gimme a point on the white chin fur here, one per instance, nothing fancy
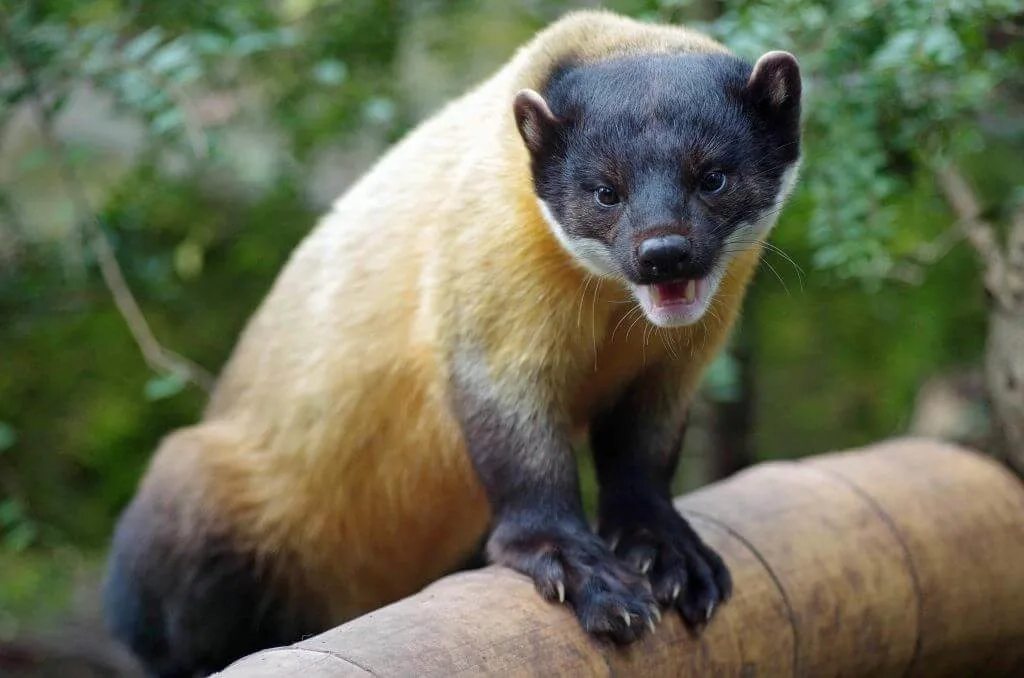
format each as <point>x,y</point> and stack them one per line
<point>678,314</point>
<point>590,254</point>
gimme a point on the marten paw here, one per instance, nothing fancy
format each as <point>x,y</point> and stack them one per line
<point>577,568</point>
<point>684,573</point>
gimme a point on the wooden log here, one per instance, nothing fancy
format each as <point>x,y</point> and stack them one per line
<point>901,559</point>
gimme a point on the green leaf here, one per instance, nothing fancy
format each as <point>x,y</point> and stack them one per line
<point>164,386</point>
<point>8,436</point>
<point>722,381</point>
<point>172,56</point>
<point>14,94</point>
<point>330,72</point>
<point>142,45</point>
<point>10,513</point>
<point>942,45</point>
<point>379,110</point>
<point>211,43</point>
<point>188,259</point>
<point>20,537</point>
<point>167,121</point>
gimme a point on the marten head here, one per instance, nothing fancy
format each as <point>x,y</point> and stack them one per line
<point>657,169</point>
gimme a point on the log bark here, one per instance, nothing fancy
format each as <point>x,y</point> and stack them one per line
<point>903,559</point>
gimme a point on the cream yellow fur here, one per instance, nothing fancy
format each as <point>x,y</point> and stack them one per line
<point>330,444</point>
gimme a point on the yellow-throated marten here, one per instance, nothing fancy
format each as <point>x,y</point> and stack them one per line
<point>416,374</point>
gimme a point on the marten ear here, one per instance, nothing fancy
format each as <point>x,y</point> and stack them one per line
<point>774,86</point>
<point>537,124</point>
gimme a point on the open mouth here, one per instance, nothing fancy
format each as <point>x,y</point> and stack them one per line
<point>675,303</point>
<point>679,292</point>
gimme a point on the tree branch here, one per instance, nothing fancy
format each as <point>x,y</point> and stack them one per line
<point>158,357</point>
<point>962,199</point>
<point>1015,259</point>
<point>978,232</point>
<point>912,266</point>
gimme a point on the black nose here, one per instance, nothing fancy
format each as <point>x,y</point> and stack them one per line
<point>665,257</point>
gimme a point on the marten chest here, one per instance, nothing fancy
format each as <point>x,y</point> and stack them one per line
<point>627,346</point>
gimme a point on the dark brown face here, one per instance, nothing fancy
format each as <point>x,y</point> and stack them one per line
<point>653,169</point>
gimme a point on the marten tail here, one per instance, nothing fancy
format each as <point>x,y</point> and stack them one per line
<point>180,591</point>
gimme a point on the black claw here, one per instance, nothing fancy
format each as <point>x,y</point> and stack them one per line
<point>610,599</point>
<point>684,573</point>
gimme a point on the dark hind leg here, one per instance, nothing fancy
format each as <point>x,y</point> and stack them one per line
<point>191,605</point>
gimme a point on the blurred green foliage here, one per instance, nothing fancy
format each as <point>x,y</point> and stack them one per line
<point>895,88</point>
<point>208,136</point>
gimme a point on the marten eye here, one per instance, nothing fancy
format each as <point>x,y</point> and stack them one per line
<point>713,182</point>
<point>606,197</point>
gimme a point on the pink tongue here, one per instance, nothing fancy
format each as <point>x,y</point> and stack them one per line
<point>672,292</point>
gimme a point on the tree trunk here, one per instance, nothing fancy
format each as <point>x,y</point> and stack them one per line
<point>1004,371</point>
<point>1004,280</point>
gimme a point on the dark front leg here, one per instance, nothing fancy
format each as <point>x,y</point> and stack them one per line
<point>636,449</point>
<point>526,464</point>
